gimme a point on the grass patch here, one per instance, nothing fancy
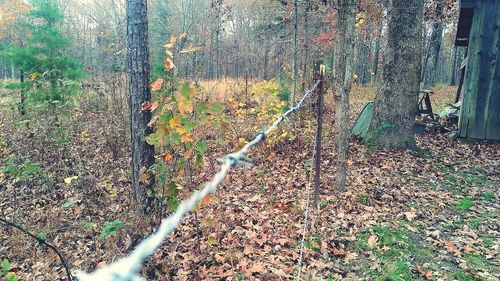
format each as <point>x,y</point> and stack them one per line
<point>479,170</point>
<point>461,276</point>
<point>397,249</point>
<point>474,223</point>
<point>489,196</point>
<point>488,241</point>
<point>481,263</point>
<point>464,204</point>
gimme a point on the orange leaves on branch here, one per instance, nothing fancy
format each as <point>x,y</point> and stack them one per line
<point>157,85</point>
<point>167,157</point>
<point>154,106</point>
<point>148,105</point>
<point>168,63</point>
<point>172,42</point>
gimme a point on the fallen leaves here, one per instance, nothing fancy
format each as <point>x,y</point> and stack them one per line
<point>256,228</point>
<point>452,247</point>
<point>372,241</point>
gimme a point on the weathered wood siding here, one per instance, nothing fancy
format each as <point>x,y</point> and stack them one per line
<point>480,115</point>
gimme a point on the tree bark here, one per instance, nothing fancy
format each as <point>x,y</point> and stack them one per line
<point>396,100</point>
<point>343,86</point>
<point>139,92</point>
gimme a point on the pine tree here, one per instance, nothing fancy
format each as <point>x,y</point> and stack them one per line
<point>51,74</point>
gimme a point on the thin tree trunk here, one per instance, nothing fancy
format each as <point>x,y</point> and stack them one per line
<point>340,66</point>
<point>305,56</point>
<point>343,88</point>
<point>453,79</point>
<point>435,46</point>
<point>22,106</point>
<point>295,50</point>
<point>376,56</point>
<point>266,63</point>
<point>396,100</point>
<point>139,92</point>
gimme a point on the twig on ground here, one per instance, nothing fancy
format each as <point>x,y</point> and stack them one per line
<point>41,241</point>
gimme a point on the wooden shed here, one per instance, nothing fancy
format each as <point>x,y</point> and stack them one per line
<point>479,31</point>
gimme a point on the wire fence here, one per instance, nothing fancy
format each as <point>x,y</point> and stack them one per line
<point>127,268</point>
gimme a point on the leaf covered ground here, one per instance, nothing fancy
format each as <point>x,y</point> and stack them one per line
<point>428,214</point>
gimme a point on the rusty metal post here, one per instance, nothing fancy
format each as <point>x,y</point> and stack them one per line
<point>319,76</point>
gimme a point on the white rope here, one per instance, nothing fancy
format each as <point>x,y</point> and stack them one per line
<point>127,268</point>
<point>306,213</point>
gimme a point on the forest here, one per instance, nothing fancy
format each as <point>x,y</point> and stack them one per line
<point>249,140</point>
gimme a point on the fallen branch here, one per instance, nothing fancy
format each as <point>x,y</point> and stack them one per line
<point>41,241</point>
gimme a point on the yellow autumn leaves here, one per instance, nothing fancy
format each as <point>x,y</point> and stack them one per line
<point>185,107</point>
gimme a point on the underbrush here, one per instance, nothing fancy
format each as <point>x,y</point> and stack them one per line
<point>405,215</point>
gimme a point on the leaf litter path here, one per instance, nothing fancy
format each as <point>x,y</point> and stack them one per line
<point>429,214</point>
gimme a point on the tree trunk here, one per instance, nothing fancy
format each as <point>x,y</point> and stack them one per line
<point>396,100</point>
<point>266,63</point>
<point>22,105</point>
<point>435,46</point>
<point>376,55</point>
<point>295,50</point>
<point>139,92</point>
<point>343,85</point>
<point>305,56</point>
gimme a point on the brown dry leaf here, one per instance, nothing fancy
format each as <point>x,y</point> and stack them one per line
<point>372,241</point>
<point>256,267</point>
<point>247,250</point>
<point>339,251</point>
<point>468,249</point>
<point>411,228</point>
<point>206,201</point>
<point>452,247</point>
<point>410,216</point>
<point>385,249</point>
<point>350,256</point>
